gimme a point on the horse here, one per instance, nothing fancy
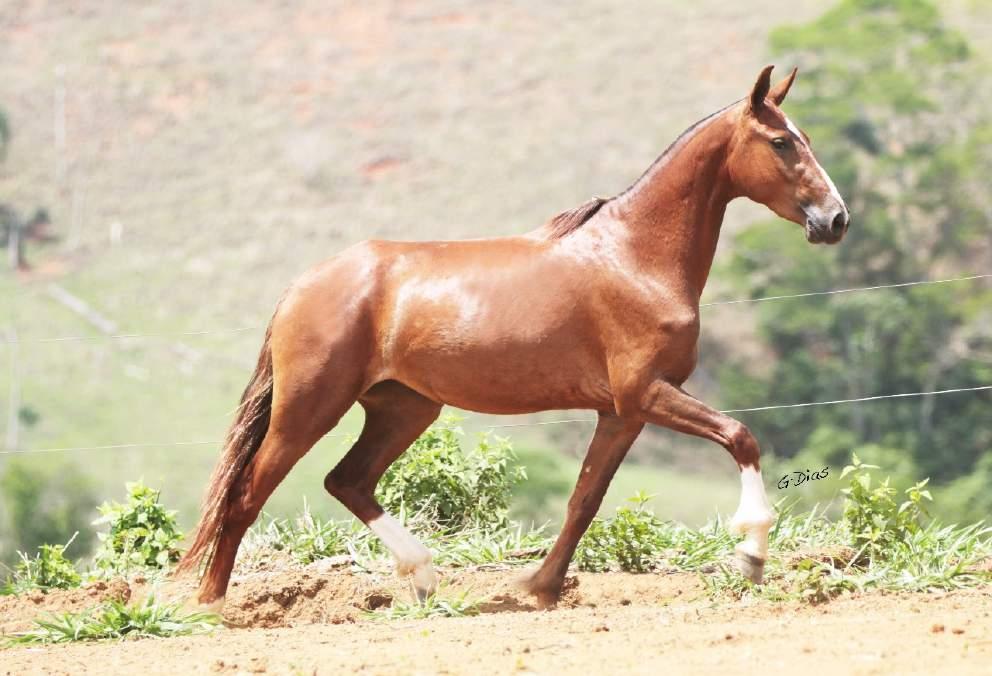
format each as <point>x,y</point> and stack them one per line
<point>597,309</point>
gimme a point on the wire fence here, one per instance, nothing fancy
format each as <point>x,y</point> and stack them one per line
<point>835,292</point>
<point>254,327</point>
<point>770,407</point>
<point>900,395</point>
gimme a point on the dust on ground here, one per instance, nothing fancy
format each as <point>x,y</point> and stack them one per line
<point>323,621</point>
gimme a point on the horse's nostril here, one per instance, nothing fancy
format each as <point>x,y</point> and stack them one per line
<point>839,222</point>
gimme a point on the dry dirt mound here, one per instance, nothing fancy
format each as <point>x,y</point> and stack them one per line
<point>317,621</point>
<point>315,595</point>
<point>17,612</point>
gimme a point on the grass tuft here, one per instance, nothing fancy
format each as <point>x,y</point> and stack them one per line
<point>117,620</point>
<point>435,605</point>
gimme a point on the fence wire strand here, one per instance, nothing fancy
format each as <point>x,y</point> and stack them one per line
<point>540,423</point>
<point>238,329</point>
<point>834,292</point>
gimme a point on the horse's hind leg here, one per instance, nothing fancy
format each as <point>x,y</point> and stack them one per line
<point>395,416</point>
<point>302,413</point>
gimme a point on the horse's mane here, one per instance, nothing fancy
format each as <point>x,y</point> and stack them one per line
<point>569,221</point>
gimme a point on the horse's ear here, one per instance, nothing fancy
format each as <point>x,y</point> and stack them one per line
<point>778,92</point>
<point>760,90</point>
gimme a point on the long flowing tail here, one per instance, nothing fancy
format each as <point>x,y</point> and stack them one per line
<point>243,440</point>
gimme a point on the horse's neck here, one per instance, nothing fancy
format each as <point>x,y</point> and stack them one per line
<point>672,215</point>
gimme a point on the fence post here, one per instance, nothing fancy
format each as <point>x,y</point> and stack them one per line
<point>14,396</point>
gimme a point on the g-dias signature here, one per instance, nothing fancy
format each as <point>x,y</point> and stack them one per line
<point>799,477</point>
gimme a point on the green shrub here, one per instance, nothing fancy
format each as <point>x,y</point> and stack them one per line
<point>877,523</point>
<point>458,488</point>
<point>143,533</point>
<point>49,569</point>
<point>631,540</point>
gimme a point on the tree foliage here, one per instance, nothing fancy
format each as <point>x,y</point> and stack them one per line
<point>41,504</point>
<point>885,92</point>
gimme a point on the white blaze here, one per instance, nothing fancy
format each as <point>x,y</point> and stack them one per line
<point>826,177</point>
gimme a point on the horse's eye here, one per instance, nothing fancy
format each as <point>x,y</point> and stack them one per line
<point>780,143</point>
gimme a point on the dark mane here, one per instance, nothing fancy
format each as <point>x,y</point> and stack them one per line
<point>569,221</point>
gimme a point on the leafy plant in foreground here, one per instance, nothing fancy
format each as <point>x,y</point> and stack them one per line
<point>143,533</point>
<point>630,540</point>
<point>49,569</point>
<point>461,488</point>
<point>118,620</point>
<point>876,521</point>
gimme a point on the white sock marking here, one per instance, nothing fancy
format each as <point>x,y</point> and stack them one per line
<point>411,556</point>
<point>754,515</point>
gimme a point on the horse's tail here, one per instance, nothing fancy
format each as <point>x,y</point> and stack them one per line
<point>243,440</point>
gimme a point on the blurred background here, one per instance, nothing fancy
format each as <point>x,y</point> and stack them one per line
<point>167,168</point>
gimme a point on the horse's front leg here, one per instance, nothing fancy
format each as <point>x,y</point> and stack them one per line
<point>663,403</point>
<point>609,446</point>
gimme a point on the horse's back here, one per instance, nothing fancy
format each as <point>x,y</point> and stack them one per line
<point>463,322</point>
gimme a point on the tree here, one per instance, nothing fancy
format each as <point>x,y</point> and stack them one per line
<point>884,92</point>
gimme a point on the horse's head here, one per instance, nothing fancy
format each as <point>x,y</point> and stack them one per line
<point>771,162</point>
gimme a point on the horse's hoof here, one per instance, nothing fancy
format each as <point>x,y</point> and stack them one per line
<point>751,566</point>
<point>424,581</point>
<point>546,595</point>
<point>195,605</point>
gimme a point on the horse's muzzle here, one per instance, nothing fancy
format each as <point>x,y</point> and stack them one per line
<point>829,230</point>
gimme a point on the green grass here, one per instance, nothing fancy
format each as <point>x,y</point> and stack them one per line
<point>48,569</point>
<point>439,604</point>
<point>813,559</point>
<point>117,620</point>
<point>309,537</point>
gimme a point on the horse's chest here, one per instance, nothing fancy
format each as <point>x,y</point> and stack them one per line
<point>656,332</point>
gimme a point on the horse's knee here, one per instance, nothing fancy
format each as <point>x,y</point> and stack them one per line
<point>344,487</point>
<point>354,494</point>
<point>742,445</point>
<point>332,484</point>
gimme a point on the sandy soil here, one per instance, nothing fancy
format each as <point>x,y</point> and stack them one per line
<point>316,621</point>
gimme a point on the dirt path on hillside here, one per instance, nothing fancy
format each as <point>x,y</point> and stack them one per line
<point>316,621</point>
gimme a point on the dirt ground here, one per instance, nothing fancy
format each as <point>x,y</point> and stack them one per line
<point>316,621</point>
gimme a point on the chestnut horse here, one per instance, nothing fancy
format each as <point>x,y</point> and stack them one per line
<point>598,309</point>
